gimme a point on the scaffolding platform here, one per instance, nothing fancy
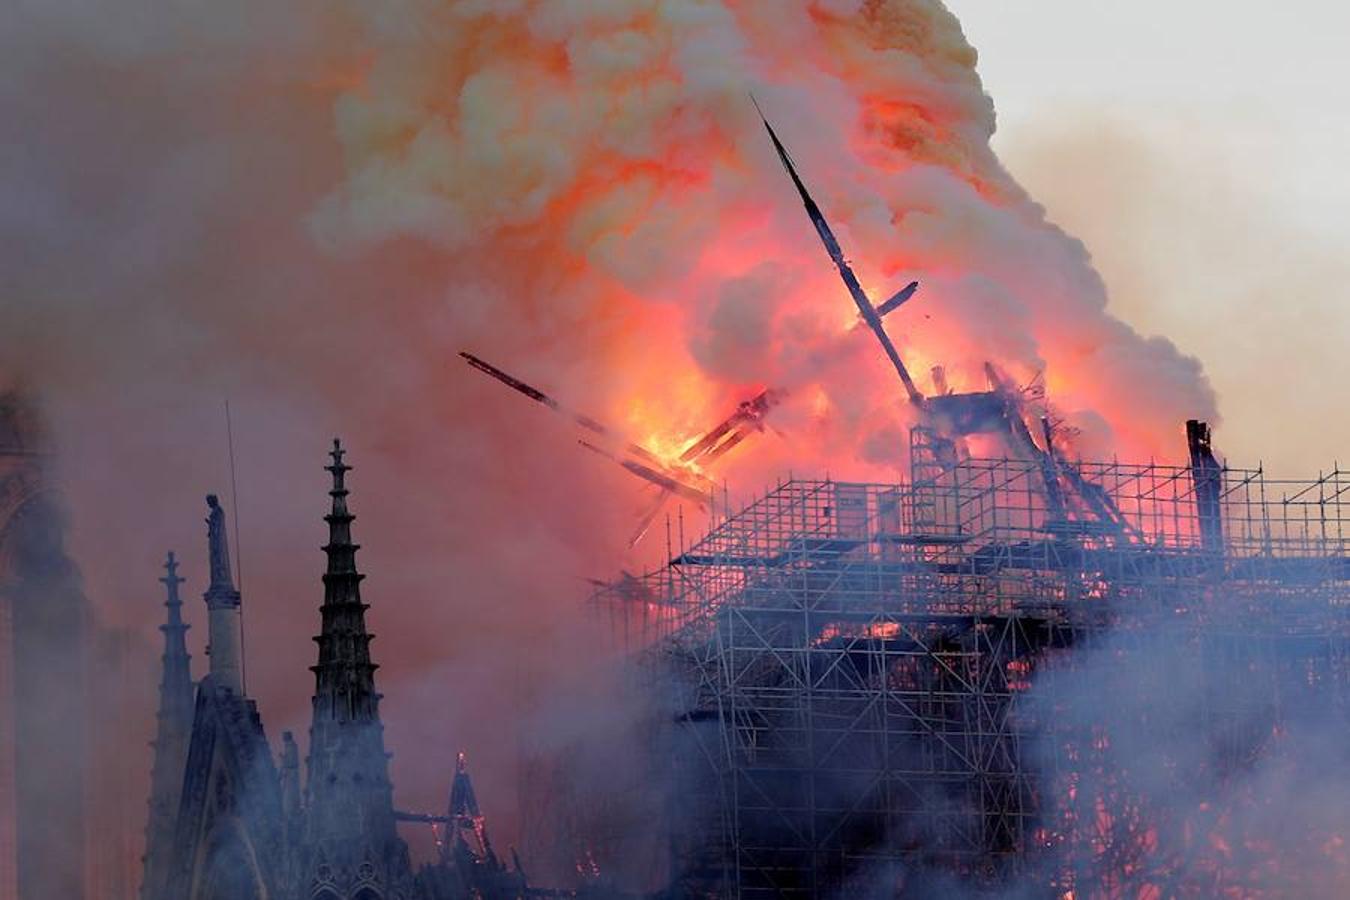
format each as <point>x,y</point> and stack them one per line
<point>864,680</point>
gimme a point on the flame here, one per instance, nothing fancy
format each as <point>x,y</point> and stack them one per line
<point>602,171</point>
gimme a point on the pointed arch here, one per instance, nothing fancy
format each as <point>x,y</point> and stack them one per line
<point>231,872</point>
<point>227,865</point>
<point>367,893</point>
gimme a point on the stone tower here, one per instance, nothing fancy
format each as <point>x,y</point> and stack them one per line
<point>225,645</point>
<point>172,733</point>
<point>351,848</point>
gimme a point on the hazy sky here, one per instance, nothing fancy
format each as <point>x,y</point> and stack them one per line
<point>158,257</point>
<point>1199,150</point>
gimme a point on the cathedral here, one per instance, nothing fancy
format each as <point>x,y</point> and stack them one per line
<point>227,821</point>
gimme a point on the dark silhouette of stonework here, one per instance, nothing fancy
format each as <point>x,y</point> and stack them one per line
<point>172,732</point>
<point>350,840</point>
<point>244,827</point>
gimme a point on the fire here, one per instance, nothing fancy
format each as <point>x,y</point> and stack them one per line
<point>653,427</point>
<point>605,165</point>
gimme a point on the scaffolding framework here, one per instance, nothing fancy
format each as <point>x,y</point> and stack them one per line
<point>863,672</point>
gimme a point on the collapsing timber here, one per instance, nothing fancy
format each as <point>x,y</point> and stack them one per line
<point>884,687</point>
<point>950,417</point>
<point>669,484</point>
<point>682,477</point>
<point>871,315</point>
<point>748,418</point>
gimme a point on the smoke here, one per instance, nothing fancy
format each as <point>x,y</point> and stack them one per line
<point>1192,760</point>
<point>613,147</point>
<point>307,209</point>
<point>1220,262</point>
<point>1174,758</point>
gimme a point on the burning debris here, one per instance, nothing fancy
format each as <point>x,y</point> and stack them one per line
<point>948,418</point>
<point>871,315</point>
<point>680,477</point>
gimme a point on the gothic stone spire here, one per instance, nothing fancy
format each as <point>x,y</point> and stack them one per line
<point>349,799</point>
<point>175,687</point>
<point>172,733</point>
<point>345,676</point>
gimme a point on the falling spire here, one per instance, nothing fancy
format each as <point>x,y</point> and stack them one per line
<point>870,314</point>
<point>172,734</point>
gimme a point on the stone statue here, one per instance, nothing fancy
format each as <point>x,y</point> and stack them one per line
<point>218,546</point>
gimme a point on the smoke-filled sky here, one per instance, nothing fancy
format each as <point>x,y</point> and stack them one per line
<point>309,208</point>
<point>1200,154</point>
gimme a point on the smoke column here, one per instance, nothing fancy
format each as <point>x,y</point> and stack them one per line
<point>309,208</point>
<point>612,147</point>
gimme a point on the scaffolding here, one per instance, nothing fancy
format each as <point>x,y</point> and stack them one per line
<point>857,672</point>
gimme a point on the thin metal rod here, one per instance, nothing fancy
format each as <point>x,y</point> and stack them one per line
<point>238,549</point>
